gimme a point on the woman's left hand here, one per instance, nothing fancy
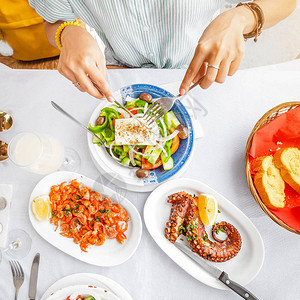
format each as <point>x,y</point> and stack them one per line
<point>222,46</point>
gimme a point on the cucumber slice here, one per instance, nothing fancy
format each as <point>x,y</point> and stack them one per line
<point>125,161</point>
<point>169,164</point>
<point>138,163</point>
<point>154,154</point>
<point>89,298</point>
<point>126,148</point>
<point>122,156</point>
<point>95,140</point>
<point>138,157</point>
<point>118,150</point>
<point>171,120</point>
<point>140,103</point>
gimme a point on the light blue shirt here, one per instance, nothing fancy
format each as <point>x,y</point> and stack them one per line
<point>139,33</point>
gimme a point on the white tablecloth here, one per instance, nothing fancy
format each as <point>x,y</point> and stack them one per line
<point>228,113</point>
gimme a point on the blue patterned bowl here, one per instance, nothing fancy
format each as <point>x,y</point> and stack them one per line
<point>126,177</point>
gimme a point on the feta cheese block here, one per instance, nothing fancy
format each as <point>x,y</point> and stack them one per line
<point>131,132</point>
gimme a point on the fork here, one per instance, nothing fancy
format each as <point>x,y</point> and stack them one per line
<point>18,275</point>
<point>162,105</point>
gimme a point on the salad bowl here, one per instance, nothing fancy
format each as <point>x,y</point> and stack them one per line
<point>126,177</point>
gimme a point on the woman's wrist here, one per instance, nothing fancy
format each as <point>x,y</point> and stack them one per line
<point>70,31</point>
<point>245,17</point>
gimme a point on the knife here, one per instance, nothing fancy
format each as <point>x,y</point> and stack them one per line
<point>33,277</point>
<point>216,272</point>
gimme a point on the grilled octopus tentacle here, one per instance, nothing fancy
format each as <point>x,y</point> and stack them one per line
<point>218,250</point>
<point>185,212</point>
<point>180,204</point>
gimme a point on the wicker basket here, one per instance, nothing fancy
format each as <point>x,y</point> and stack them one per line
<point>265,119</point>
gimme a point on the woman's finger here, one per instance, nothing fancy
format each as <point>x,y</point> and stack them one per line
<point>87,85</point>
<point>211,74</point>
<point>235,64</point>
<point>201,73</point>
<point>71,76</point>
<point>223,71</point>
<point>101,82</point>
<point>191,72</point>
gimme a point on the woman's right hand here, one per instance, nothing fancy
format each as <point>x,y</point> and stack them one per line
<point>81,56</point>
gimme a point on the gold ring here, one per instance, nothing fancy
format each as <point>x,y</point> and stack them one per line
<point>213,66</point>
<point>76,84</point>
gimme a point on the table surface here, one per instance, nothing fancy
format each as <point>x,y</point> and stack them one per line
<point>227,113</point>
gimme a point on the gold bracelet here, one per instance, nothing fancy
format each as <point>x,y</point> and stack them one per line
<point>60,30</point>
<point>259,20</point>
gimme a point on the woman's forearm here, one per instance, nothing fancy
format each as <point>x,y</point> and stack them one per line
<point>50,29</point>
<point>274,11</point>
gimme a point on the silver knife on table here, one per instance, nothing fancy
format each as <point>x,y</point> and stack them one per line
<point>216,272</point>
<point>34,277</point>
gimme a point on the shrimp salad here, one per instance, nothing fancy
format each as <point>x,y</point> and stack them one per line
<point>86,216</point>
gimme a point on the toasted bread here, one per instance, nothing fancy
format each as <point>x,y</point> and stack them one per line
<point>288,161</point>
<point>268,182</point>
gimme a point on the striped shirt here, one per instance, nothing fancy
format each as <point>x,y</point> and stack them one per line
<point>139,33</point>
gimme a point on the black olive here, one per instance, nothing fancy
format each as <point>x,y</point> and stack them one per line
<point>100,120</point>
<point>183,131</point>
<point>146,97</point>
<point>142,173</point>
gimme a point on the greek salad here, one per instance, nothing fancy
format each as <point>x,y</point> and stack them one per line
<point>167,129</point>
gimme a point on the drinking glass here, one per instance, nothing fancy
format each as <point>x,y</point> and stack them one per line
<point>41,153</point>
<point>19,244</point>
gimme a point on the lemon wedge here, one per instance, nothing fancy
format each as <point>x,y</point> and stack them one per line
<point>208,208</point>
<point>41,207</point>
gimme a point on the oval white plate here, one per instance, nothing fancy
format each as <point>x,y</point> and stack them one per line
<point>111,253</point>
<point>243,268</point>
<point>90,279</point>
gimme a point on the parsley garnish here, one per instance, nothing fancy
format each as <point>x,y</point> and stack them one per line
<point>70,230</point>
<point>189,237</point>
<point>191,226</point>
<point>220,229</point>
<point>97,219</point>
<point>66,209</point>
<point>205,238</point>
<point>103,211</point>
<point>182,229</point>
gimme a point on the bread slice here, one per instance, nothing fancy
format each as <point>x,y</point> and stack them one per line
<point>288,161</point>
<point>268,182</point>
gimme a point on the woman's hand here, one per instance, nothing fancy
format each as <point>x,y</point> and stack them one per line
<point>221,45</point>
<point>80,55</point>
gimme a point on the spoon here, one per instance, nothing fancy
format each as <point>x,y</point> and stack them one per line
<point>6,121</point>
<point>57,107</point>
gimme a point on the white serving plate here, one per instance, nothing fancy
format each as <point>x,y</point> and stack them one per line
<point>83,290</point>
<point>89,279</point>
<point>243,268</point>
<point>111,253</point>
